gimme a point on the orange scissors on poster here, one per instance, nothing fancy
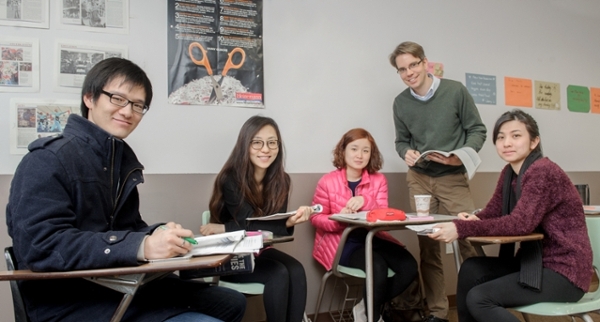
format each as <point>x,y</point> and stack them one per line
<point>216,92</point>
<point>229,65</point>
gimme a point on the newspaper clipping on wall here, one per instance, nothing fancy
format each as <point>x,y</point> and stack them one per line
<point>25,13</point>
<point>31,119</point>
<point>75,59</point>
<point>111,16</point>
<point>19,65</point>
<point>215,53</point>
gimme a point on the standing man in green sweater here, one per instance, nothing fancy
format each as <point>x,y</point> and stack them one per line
<point>434,114</point>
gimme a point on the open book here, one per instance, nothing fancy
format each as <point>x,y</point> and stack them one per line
<point>315,208</point>
<point>469,158</point>
<point>235,242</point>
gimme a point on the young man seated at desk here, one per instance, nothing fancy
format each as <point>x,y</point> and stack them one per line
<point>74,205</point>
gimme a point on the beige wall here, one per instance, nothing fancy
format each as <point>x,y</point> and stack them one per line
<point>183,197</point>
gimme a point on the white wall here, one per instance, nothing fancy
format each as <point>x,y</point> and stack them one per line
<point>327,70</point>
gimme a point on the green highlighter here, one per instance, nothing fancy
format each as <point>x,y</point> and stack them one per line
<point>188,239</point>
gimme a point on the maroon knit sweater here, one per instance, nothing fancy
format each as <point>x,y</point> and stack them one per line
<point>549,200</point>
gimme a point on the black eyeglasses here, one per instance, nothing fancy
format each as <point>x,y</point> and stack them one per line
<point>412,66</point>
<point>121,101</point>
<point>259,144</point>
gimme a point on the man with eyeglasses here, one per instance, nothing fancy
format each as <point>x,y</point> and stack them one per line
<point>434,114</point>
<point>74,205</point>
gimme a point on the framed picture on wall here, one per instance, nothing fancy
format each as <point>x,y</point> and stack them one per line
<point>94,15</point>
<point>19,13</point>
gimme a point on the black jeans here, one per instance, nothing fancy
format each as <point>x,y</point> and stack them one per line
<point>285,285</point>
<point>386,254</point>
<point>489,285</point>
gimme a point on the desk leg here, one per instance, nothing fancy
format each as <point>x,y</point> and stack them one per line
<point>126,284</point>
<point>369,274</point>
<point>369,271</point>
<point>456,249</point>
<point>123,306</point>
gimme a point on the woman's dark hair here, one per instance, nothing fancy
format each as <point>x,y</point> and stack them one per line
<point>339,160</point>
<point>518,115</point>
<point>239,169</point>
<point>108,70</point>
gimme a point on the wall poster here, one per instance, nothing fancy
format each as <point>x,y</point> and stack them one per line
<point>31,119</point>
<point>215,53</point>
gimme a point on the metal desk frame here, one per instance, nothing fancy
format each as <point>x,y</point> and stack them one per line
<point>375,227</point>
<point>126,280</point>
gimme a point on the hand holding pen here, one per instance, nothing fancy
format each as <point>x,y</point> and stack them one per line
<point>190,240</point>
<point>469,216</point>
<point>167,241</point>
<point>303,214</point>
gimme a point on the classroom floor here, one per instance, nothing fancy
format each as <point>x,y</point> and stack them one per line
<point>452,317</point>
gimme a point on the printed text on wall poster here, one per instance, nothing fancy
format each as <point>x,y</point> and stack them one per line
<point>215,53</point>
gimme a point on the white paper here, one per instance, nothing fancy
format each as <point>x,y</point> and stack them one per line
<point>468,156</point>
<point>31,119</point>
<point>362,215</point>
<point>19,64</point>
<point>316,209</point>
<point>419,228</point>
<point>25,13</point>
<point>235,242</point>
<point>75,58</point>
<point>591,209</point>
<point>111,16</point>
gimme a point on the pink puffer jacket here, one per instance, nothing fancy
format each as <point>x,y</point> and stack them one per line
<point>333,193</point>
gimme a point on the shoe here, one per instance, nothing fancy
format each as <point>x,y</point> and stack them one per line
<point>433,318</point>
<point>359,312</point>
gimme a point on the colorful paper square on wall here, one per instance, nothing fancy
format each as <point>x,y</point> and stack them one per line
<point>547,95</point>
<point>595,97</point>
<point>482,88</point>
<point>578,99</point>
<point>517,92</point>
<point>436,69</point>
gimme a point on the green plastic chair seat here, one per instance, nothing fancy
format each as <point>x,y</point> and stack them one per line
<point>245,288</point>
<point>356,272</point>
<point>590,302</point>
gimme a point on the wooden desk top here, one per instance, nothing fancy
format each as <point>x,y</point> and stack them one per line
<point>154,267</point>
<point>504,239</point>
<point>277,240</point>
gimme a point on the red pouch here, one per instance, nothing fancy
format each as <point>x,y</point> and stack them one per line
<point>385,214</point>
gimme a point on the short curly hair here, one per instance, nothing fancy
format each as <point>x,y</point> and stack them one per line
<point>376,160</point>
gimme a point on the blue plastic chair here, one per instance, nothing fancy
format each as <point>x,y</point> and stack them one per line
<point>590,303</point>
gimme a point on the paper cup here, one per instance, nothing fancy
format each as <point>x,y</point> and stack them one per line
<point>422,204</point>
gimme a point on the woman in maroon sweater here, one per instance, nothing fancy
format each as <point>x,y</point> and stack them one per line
<point>533,195</point>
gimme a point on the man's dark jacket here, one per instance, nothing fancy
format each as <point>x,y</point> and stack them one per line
<point>74,205</point>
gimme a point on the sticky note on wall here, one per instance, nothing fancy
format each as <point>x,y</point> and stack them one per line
<point>578,99</point>
<point>517,92</point>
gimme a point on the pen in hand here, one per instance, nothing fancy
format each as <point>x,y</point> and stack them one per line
<point>188,239</point>
<point>475,212</point>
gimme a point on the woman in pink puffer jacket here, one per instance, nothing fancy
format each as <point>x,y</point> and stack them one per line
<point>357,186</point>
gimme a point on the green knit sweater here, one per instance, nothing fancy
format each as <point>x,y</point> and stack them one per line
<point>447,121</point>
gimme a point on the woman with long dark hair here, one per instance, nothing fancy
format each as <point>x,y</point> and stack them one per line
<point>253,183</point>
